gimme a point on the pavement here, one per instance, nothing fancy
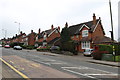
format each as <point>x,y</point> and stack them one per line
<point>88,59</point>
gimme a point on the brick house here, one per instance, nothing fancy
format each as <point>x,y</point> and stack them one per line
<point>88,33</point>
<point>48,37</point>
<point>30,38</point>
<point>18,38</point>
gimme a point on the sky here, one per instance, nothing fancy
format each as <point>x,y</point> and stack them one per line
<point>35,14</point>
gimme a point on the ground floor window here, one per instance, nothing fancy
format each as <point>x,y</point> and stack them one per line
<point>44,43</point>
<point>85,45</point>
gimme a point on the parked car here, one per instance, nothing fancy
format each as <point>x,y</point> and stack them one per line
<point>7,46</point>
<point>17,47</point>
<point>0,45</point>
<point>54,48</point>
<point>88,52</point>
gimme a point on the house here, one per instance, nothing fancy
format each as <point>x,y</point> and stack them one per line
<point>88,33</point>
<point>48,37</point>
<point>18,38</point>
<point>30,38</point>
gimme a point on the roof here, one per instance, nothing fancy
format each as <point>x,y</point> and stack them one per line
<point>103,39</point>
<point>54,40</point>
<point>46,31</point>
<point>74,29</point>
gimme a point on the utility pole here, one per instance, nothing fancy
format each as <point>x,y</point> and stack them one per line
<point>5,33</point>
<point>112,34</point>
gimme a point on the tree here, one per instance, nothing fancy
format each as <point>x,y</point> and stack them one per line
<point>66,43</point>
<point>65,35</point>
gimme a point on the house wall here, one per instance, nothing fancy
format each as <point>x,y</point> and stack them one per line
<point>31,39</point>
<point>52,36</point>
<point>98,32</point>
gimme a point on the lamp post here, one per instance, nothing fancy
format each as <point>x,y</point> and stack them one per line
<point>5,33</point>
<point>18,27</point>
<point>112,34</point>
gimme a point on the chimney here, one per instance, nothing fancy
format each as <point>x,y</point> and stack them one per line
<point>66,25</point>
<point>21,32</point>
<point>59,28</point>
<point>39,31</point>
<point>31,31</point>
<point>94,19</point>
<point>16,35</point>
<point>52,27</point>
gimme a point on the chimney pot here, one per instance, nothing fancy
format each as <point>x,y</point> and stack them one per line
<point>66,25</point>
<point>94,19</point>
<point>59,28</point>
<point>31,31</point>
<point>52,27</point>
<point>39,31</point>
<point>21,32</point>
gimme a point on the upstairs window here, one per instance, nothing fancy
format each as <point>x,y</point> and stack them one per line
<point>84,33</point>
<point>45,36</point>
<point>56,31</point>
<point>77,36</point>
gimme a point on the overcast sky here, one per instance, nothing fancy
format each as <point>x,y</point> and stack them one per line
<point>35,14</point>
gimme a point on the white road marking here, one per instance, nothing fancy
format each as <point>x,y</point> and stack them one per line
<point>79,73</point>
<point>45,63</point>
<point>106,73</point>
<point>58,63</point>
<point>103,74</point>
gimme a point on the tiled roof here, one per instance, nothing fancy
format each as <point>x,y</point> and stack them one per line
<point>54,40</point>
<point>74,29</point>
<point>103,39</point>
<point>46,31</point>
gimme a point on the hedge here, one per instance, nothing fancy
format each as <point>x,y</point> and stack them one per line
<point>69,46</point>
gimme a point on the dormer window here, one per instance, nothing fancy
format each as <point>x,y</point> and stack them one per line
<point>84,33</point>
<point>45,36</point>
<point>56,31</point>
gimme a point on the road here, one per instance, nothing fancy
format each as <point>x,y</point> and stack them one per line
<point>46,65</point>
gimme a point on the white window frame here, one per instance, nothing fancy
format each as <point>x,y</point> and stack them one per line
<point>45,36</point>
<point>56,31</point>
<point>85,45</point>
<point>84,33</point>
<point>77,36</point>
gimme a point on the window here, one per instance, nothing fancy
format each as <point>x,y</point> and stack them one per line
<point>45,37</point>
<point>77,36</point>
<point>85,45</point>
<point>56,31</point>
<point>84,33</point>
<point>37,38</point>
<point>72,36</point>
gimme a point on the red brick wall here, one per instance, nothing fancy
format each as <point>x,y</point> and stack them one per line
<point>52,36</point>
<point>98,32</point>
<point>31,39</point>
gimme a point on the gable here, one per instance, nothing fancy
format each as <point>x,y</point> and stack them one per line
<point>53,32</point>
<point>83,27</point>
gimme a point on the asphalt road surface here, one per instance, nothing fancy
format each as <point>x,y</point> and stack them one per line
<point>46,65</point>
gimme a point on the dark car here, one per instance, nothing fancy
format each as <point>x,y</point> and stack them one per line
<point>17,47</point>
<point>55,49</point>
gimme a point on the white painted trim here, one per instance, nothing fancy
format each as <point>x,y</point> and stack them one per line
<point>83,26</point>
<point>52,32</point>
<point>96,25</point>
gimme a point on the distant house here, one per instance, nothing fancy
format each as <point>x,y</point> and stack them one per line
<point>88,33</point>
<point>18,38</point>
<point>30,38</point>
<point>48,37</point>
